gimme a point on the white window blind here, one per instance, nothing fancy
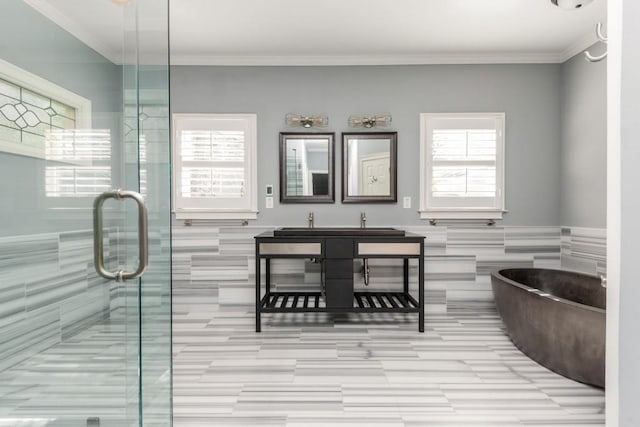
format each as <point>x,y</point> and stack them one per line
<point>215,166</point>
<point>462,165</point>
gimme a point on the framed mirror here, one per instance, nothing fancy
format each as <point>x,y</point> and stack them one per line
<point>369,172</point>
<point>306,167</point>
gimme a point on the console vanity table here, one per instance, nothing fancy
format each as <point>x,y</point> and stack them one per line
<point>336,248</point>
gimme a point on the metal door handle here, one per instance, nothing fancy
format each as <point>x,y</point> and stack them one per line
<point>143,241</point>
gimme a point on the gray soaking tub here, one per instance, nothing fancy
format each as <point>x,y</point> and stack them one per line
<point>555,317</point>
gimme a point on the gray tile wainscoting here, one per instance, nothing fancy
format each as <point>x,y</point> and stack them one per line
<point>584,250</point>
<point>218,261</point>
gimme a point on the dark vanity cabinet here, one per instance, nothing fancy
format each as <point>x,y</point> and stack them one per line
<point>337,271</point>
<point>336,249</point>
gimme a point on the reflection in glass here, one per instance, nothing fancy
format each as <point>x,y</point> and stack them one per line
<point>369,167</point>
<point>78,162</point>
<point>306,167</point>
<point>369,170</point>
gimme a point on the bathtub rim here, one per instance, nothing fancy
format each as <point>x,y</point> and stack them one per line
<point>541,294</point>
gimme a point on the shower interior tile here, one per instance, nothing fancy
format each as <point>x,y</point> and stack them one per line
<point>20,341</point>
<point>51,289</point>
<point>77,247</point>
<point>12,302</point>
<point>28,251</point>
<point>83,310</point>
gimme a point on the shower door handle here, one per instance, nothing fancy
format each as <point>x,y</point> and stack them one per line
<point>98,238</point>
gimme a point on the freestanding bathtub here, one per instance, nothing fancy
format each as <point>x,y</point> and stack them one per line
<point>555,317</point>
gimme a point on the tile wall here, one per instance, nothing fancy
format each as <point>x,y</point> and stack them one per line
<point>216,262</point>
<point>49,289</point>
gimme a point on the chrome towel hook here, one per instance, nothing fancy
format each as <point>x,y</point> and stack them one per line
<point>603,39</point>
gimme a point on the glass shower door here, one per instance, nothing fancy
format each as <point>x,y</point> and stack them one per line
<point>81,116</point>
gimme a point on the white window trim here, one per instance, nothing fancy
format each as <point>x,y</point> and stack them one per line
<point>462,213</point>
<point>252,182</point>
<point>23,78</point>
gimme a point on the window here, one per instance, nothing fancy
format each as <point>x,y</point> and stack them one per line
<point>462,166</point>
<point>31,107</point>
<point>215,172</point>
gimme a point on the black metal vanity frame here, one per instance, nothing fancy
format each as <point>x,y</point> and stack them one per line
<point>336,253</point>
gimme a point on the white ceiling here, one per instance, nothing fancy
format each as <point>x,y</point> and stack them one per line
<point>304,32</point>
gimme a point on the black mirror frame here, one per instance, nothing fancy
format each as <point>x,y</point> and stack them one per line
<point>330,198</point>
<point>393,173</point>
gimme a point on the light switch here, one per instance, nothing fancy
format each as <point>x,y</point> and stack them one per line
<point>269,202</point>
<point>269,190</point>
<point>406,202</point>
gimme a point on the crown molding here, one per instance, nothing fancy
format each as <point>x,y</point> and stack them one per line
<point>114,55</point>
<point>579,45</point>
<point>76,29</point>
<point>310,60</point>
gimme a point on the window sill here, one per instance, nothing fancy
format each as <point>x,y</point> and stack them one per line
<point>462,214</point>
<point>195,214</point>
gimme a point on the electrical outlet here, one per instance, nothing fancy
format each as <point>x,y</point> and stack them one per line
<point>269,202</point>
<point>406,202</point>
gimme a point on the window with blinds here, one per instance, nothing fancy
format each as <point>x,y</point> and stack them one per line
<point>215,166</point>
<point>462,165</point>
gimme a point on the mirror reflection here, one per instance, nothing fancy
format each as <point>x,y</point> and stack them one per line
<point>369,169</point>
<point>306,167</point>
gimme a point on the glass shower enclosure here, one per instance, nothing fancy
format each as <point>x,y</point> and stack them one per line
<point>85,179</point>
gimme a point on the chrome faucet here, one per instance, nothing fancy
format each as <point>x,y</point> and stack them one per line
<point>310,219</point>
<point>363,220</point>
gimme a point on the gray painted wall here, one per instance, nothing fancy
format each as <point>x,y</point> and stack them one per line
<point>50,52</point>
<point>529,94</point>
<point>584,142</point>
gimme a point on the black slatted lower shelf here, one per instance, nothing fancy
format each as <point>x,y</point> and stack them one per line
<point>363,302</point>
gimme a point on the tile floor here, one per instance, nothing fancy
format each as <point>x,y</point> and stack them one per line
<point>364,370</point>
<point>308,370</point>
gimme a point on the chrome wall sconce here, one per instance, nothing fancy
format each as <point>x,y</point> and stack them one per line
<point>379,120</point>
<point>306,121</point>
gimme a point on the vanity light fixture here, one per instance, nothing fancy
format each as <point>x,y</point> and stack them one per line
<point>571,4</point>
<point>306,121</point>
<point>378,120</point>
